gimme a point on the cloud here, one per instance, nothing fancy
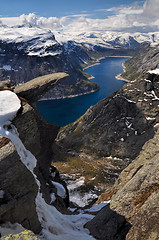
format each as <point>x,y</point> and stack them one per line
<point>143,18</point>
<point>51,22</point>
<point>151,9</point>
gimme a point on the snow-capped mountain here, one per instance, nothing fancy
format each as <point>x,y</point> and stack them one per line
<point>36,41</point>
<point>108,39</point>
<point>28,51</point>
<point>33,41</point>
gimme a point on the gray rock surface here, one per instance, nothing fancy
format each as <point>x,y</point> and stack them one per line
<point>134,206</point>
<point>137,193</point>
<point>108,225</point>
<point>36,88</point>
<point>17,183</point>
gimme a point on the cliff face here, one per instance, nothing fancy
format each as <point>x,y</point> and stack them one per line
<point>135,197</point>
<point>145,60</point>
<point>17,203</point>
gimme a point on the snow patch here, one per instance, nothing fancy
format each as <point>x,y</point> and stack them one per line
<point>9,106</point>
<point>53,197</point>
<point>7,68</point>
<point>74,185</point>
<point>82,199</point>
<point>155,71</point>
<point>97,207</point>
<point>77,196</point>
<point>150,119</point>
<point>154,94</point>
<point>156,125</point>
<point>60,189</point>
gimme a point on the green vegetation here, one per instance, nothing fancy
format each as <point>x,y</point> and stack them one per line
<point>130,72</point>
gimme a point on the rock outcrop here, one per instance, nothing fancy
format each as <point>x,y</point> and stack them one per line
<point>17,204</point>
<point>36,88</point>
<point>135,197</point>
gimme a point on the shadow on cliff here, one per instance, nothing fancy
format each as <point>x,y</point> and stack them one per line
<point>108,225</point>
<point>115,126</point>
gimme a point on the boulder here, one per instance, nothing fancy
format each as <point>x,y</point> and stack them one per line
<point>108,225</point>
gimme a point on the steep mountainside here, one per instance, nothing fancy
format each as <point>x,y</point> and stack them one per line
<point>145,60</point>
<point>112,132</point>
<point>120,129</point>
<point>136,197</point>
<point>24,57</point>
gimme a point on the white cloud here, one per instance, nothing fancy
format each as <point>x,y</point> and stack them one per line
<point>133,18</point>
<point>51,22</point>
<point>131,10</point>
<point>151,9</point>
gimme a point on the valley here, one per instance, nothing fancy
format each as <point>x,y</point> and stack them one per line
<point>50,176</point>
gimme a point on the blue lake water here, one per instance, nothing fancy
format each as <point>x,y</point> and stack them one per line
<point>65,111</point>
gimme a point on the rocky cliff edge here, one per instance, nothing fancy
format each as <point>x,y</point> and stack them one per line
<point>17,185</point>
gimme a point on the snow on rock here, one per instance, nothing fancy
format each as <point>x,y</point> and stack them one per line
<point>55,225</point>
<point>97,207</point>
<point>155,71</point>
<point>7,67</point>
<point>77,196</point>
<point>60,189</point>
<point>9,106</point>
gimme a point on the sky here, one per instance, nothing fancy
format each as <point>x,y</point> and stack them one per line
<point>85,15</point>
<point>59,8</point>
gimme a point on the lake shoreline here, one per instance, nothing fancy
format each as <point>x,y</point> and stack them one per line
<point>118,77</point>
<point>66,109</point>
<point>70,96</point>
